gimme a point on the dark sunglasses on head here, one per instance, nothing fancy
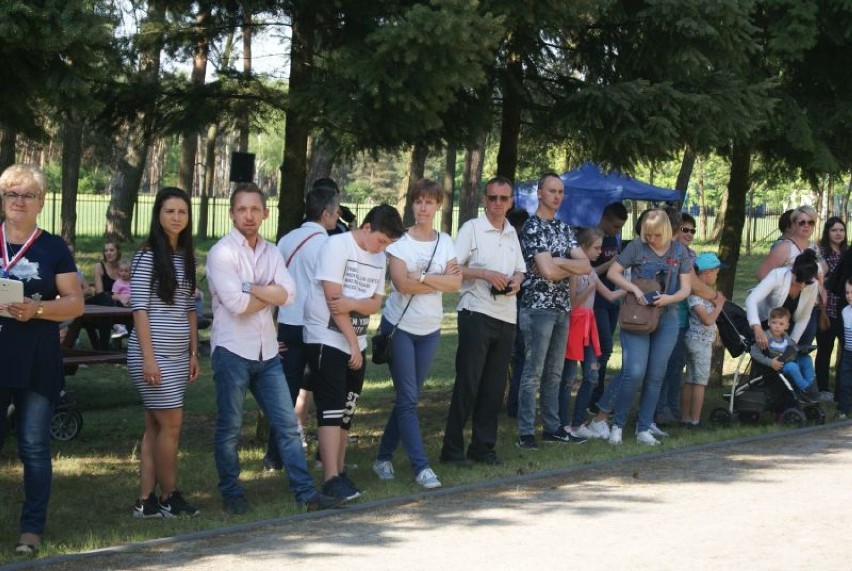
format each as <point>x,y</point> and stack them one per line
<point>806,222</point>
<point>686,230</point>
<point>496,197</point>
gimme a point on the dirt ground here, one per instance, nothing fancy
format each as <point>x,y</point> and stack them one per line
<point>776,502</point>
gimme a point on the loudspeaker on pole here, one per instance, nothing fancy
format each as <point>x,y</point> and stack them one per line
<point>242,167</point>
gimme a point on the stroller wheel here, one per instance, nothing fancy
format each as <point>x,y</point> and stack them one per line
<point>793,417</point>
<point>815,414</point>
<point>720,416</point>
<point>66,424</point>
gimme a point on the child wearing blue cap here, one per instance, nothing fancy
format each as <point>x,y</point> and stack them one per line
<point>699,342</point>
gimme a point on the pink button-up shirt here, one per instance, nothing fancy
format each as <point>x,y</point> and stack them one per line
<point>230,263</point>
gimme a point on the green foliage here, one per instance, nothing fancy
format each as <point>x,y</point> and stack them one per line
<point>401,72</point>
<point>51,52</point>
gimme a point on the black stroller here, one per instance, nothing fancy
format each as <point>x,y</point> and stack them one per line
<point>765,390</point>
<point>66,421</point>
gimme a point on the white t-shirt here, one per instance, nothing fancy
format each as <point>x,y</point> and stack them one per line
<point>361,275</point>
<point>426,311</point>
<point>302,266</point>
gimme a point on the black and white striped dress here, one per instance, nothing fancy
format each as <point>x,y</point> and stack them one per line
<point>169,334</point>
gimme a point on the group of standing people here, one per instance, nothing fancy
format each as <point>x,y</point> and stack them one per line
<point>555,288</point>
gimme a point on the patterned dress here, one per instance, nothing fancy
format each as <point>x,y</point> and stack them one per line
<point>170,335</point>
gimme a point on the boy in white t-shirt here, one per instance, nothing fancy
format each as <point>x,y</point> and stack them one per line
<point>348,287</point>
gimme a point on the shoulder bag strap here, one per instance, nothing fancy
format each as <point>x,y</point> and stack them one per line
<point>411,297</point>
<point>299,247</point>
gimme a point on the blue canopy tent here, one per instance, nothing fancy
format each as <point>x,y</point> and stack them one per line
<point>588,191</point>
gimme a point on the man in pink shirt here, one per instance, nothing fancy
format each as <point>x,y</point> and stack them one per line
<point>247,278</point>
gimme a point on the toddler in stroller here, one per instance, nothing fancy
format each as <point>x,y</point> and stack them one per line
<point>768,389</point>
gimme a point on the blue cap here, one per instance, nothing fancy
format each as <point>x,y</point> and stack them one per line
<point>707,261</point>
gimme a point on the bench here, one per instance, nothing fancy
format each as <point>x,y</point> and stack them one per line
<point>73,358</point>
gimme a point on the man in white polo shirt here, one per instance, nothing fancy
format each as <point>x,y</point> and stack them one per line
<point>301,249</point>
<point>247,278</point>
<point>489,253</point>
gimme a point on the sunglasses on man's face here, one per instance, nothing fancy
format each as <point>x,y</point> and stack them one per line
<point>806,222</point>
<point>686,230</point>
<point>496,197</point>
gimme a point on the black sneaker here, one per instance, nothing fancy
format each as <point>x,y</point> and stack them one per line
<point>354,491</point>
<point>270,466</point>
<point>176,506</point>
<point>236,505</point>
<point>562,435</point>
<point>148,508</point>
<point>323,502</point>
<point>527,442</point>
<point>337,488</point>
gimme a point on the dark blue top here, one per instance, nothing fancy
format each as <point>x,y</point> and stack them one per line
<point>30,355</point>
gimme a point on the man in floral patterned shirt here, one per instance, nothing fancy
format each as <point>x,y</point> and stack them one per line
<point>552,255</point>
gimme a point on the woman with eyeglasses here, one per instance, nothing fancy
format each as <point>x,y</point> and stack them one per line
<point>795,241</point>
<point>794,287</point>
<point>31,377</point>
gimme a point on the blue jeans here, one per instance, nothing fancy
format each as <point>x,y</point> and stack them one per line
<point>800,371</point>
<point>844,382</point>
<point>545,335</point>
<point>409,366</point>
<point>233,376</point>
<point>33,412</point>
<point>644,360</point>
<point>606,318</point>
<point>670,391</point>
<point>584,394</point>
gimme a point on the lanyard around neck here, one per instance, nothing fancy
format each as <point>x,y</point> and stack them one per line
<point>8,262</point>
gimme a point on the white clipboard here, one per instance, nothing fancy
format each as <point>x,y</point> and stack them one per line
<point>11,291</point>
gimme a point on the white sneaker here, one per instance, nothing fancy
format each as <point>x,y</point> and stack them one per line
<point>645,437</point>
<point>656,431</point>
<point>599,427</point>
<point>384,470</point>
<point>615,435</point>
<point>118,331</point>
<point>427,478</point>
<point>583,431</point>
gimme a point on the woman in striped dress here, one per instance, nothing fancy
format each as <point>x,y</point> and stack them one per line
<point>162,351</point>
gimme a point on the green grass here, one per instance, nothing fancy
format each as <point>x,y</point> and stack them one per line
<point>96,475</point>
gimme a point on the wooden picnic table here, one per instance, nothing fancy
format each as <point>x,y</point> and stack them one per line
<point>93,318</point>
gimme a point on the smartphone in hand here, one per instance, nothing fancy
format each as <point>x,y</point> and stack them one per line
<point>651,296</point>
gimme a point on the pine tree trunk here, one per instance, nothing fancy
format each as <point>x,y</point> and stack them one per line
<point>243,115</point>
<point>291,208</point>
<point>72,153</point>
<point>469,198</point>
<point>189,141</point>
<point>320,163</point>
<point>449,189</point>
<point>739,184</point>
<point>125,184</point>
<point>7,148</point>
<point>416,171</point>
<point>209,179</point>
<point>684,174</point>
<point>510,127</point>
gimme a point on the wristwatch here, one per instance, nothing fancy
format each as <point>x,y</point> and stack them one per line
<point>247,287</point>
<point>422,277</point>
<point>40,311</point>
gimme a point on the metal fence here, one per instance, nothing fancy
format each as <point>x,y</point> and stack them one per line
<point>91,218</point>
